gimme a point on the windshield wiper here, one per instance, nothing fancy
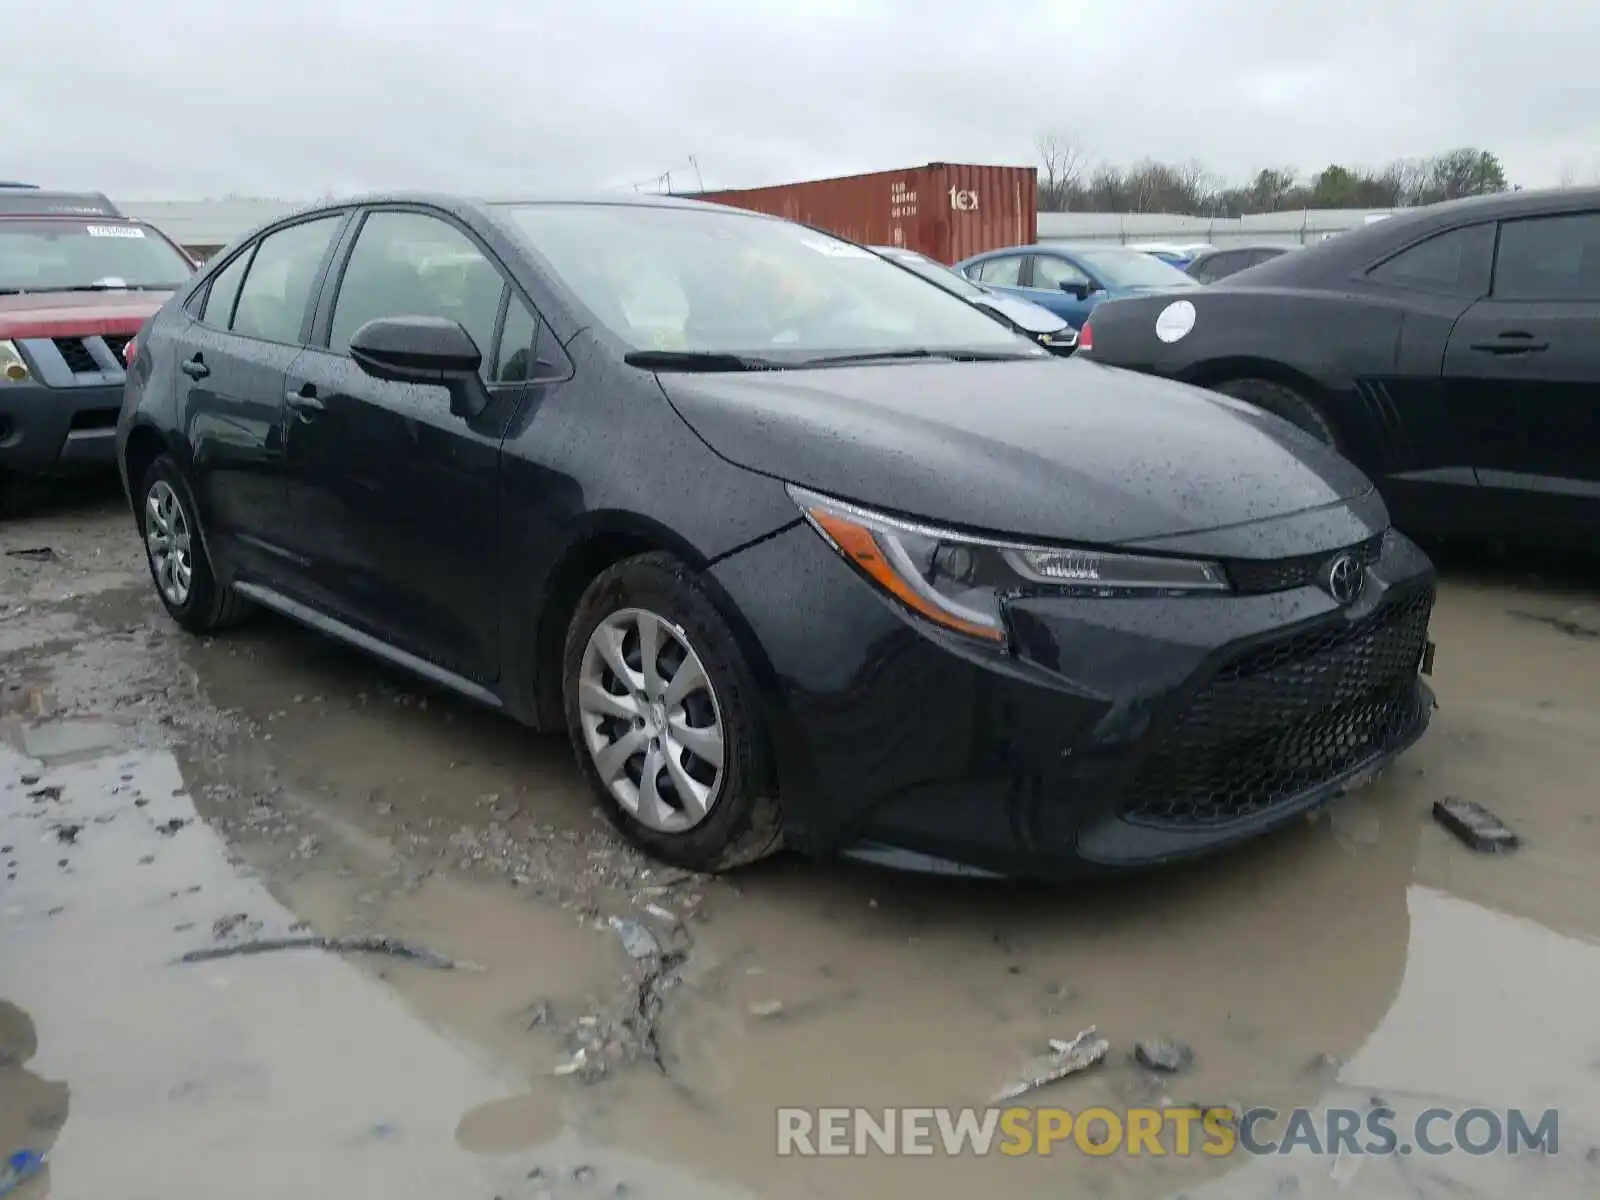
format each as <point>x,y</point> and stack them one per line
<point>697,360</point>
<point>917,353</point>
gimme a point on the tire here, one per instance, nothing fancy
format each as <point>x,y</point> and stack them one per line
<point>203,606</point>
<point>1282,401</point>
<point>741,821</point>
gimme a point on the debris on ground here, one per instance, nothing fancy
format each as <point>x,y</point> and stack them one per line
<point>637,940</point>
<point>226,927</point>
<point>29,780</point>
<point>1475,825</point>
<point>19,1167</point>
<point>1571,628</point>
<point>766,1008</point>
<point>67,834</point>
<point>1065,1058</point>
<point>539,1014</point>
<point>168,828</point>
<point>1163,1054</point>
<point>34,554</point>
<point>420,955</point>
<point>49,792</point>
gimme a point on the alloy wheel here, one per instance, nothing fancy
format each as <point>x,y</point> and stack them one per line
<point>651,720</point>
<point>167,537</point>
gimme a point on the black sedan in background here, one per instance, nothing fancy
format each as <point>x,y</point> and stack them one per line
<point>1452,352</point>
<point>1027,318</point>
<point>797,548</point>
<point>1218,263</point>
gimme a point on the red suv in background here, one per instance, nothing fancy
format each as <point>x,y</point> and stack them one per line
<point>77,281</point>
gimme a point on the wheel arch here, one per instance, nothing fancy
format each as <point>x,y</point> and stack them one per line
<point>1216,371</point>
<point>144,444</point>
<point>607,539</point>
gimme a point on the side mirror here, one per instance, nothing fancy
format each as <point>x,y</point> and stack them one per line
<point>428,350</point>
<point>1078,291</point>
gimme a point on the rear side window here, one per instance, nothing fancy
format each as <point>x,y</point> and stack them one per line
<point>224,290</point>
<point>1257,257</point>
<point>1549,258</point>
<point>1216,266</point>
<point>514,358</point>
<point>1453,263</point>
<point>277,287</point>
<point>408,264</point>
<point>1005,272</point>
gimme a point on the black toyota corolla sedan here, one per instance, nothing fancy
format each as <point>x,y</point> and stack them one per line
<point>797,547</point>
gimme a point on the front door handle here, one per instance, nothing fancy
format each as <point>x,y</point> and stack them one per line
<point>1514,342</point>
<point>195,368</point>
<point>305,403</point>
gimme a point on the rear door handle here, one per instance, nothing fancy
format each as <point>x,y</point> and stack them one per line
<point>305,403</point>
<point>195,368</point>
<point>1514,342</point>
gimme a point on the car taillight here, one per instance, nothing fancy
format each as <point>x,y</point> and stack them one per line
<point>130,351</point>
<point>1085,338</point>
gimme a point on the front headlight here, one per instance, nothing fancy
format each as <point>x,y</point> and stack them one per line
<point>959,581</point>
<point>12,368</point>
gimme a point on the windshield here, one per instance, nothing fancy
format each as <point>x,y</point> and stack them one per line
<point>950,280</point>
<point>56,255</point>
<point>1132,269</point>
<point>718,281</point>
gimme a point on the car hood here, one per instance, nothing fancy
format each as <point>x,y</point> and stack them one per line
<point>1052,448</point>
<point>1032,317</point>
<point>71,314</point>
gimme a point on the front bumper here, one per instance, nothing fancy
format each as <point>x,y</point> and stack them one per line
<point>44,429</point>
<point>1117,733</point>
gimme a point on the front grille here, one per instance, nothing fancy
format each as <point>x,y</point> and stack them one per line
<point>1283,718</point>
<point>1255,576</point>
<point>117,343</point>
<point>76,352</point>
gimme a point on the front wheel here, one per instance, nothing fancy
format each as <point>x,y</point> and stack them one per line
<point>665,718</point>
<point>179,565</point>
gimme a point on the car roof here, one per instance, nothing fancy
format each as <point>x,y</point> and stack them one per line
<point>1337,258</point>
<point>23,200</point>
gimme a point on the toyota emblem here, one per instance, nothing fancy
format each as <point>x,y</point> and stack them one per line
<point>1344,579</point>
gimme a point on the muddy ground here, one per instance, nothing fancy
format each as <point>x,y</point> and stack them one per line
<point>161,794</point>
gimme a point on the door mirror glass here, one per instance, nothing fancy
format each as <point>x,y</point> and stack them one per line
<point>427,350</point>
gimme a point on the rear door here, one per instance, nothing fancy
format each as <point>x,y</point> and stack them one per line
<point>248,325</point>
<point>395,499</point>
<point>1523,367</point>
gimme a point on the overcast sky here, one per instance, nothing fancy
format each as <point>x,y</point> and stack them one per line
<point>201,98</point>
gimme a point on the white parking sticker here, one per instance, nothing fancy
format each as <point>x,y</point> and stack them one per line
<point>1175,321</point>
<point>131,231</point>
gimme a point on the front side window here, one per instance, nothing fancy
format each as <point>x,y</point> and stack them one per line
<point>1549,258</point>
<point>81,254</point>
<point>409,264</point>
<point>514,360</point>
<point>277,287</point>
<point>723,281</point>
<point>1051,273</point>
<point>1453,263</point>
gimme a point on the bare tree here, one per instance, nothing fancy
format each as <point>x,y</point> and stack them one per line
<point>1061,161</point>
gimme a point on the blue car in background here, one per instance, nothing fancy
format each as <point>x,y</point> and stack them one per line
<point>1071,280</point>
<point>1040,324</point>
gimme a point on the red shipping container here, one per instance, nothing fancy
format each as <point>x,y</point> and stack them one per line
<point>948,211</point>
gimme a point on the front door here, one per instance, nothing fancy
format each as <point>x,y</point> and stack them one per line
<point>233,359</point>
<point>1523,372</point>
<point>395,499</point>
<point>1048,285</point>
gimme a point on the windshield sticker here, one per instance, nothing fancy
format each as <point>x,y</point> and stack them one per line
<point>128,231</point>
<point>1175,321</point>
<point>835,249</point>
